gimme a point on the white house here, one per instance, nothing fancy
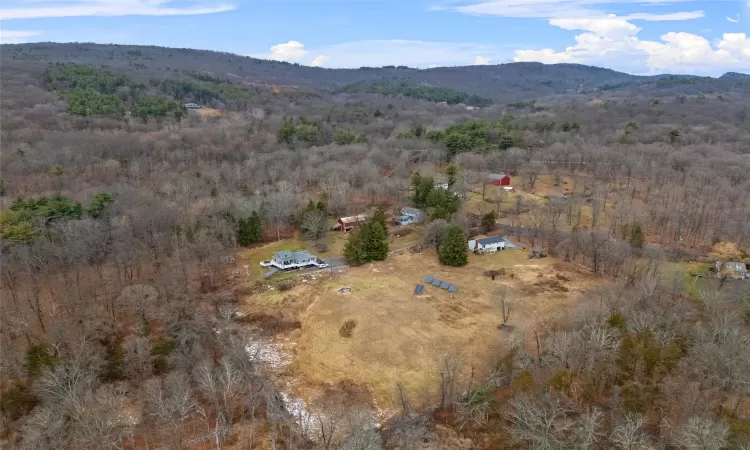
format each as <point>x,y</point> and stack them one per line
<point>441,185</point>
<point>487,245</point>
<point>285,259</point>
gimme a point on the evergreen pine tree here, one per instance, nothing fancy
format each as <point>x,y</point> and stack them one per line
<point>451,173</point>
<point>416,181</point>
<point>368,243</point>
<point>250,230</point>
<point>637,237</point>
<point>354,252</point>
<point>453,251</point>
<point>379,217</point>
<point>374,241</point>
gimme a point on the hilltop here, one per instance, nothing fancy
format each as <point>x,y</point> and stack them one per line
<point>500,83</point>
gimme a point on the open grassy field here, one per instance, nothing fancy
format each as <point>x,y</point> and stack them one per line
<point>398,335</point>
<point>208,112</point>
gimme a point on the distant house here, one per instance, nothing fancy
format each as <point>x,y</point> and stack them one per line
<point>441,185</point>
<point>735,268</point>
<point>498,179</point>
<point>349,223</point>
<point>471,108</point>
<point>487,245</point>
<point>192,106</point>
<point>410,215</point>
<point>285,260</point>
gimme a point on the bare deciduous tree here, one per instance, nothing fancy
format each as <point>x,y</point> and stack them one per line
<point>542,422</point>
<point>629,434</point>
<point>137,358</point>
<point>702,434</point>
<point>505,299</point>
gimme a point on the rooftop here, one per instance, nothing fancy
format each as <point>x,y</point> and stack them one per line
<point>296,255</point>
<point>492,240</point>
<point>496,176</point>
<point>354,219</point>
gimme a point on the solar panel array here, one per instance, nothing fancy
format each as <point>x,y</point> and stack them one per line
<point>439,283</point>
<point>419,289</point>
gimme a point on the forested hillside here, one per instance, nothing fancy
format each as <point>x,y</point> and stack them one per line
<point>129,317</point>
<point>502,83</point>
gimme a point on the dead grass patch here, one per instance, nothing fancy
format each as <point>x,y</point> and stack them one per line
<point>397,334</point>
<point>271,325</point>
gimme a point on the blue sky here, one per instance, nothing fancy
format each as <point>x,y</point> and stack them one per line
<point>636,36</point>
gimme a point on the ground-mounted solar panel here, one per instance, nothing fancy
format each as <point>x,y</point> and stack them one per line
<point>419,289</point>
<point>452,288</point>
<point>444,285</point>
<point>436,282</point>
<point>428,279</point>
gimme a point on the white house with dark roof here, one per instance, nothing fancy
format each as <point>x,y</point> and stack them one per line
<point>491,244</point>
<point>487,245</point>
<point>285,259</point>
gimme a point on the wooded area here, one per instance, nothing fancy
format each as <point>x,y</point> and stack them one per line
<point>120,207</point>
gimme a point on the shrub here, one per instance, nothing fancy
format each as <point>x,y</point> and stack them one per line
<point>17,400</point>
<point>39,356</point>
<point>347,329</point>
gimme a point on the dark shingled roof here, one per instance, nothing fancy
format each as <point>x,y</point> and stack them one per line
<point>491,240</point>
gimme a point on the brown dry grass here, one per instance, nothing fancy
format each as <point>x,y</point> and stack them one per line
<point>398,334</point>
<point>209,112</point>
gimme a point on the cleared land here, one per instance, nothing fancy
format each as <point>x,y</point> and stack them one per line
<point>398,335</point>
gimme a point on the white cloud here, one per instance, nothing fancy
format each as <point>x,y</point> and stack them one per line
<point>685,15</point>
<point>613,42</point>
<point>481,61</point>
<point>735,19</point>
<point>547,56</point>
<point>36,9</point>
<point>319,60</point>
<point>376,53</point>
<point>610,26</point>
<point>16,37</point>
<point>291,51</point>
<point>549,9</point>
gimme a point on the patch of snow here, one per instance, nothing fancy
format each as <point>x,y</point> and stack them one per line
<point>267,353</point>
<point>298,409</point>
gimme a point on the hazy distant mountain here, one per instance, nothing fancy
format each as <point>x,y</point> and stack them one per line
<point>501,83</point>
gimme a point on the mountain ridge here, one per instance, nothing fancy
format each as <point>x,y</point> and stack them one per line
<point>501,82</point>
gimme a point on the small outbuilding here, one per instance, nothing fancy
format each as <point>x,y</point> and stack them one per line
<point>498,179</point>
<point>349,223</point>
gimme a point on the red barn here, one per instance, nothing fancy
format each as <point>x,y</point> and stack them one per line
<point>347,223</point>
<point>498,179</point>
